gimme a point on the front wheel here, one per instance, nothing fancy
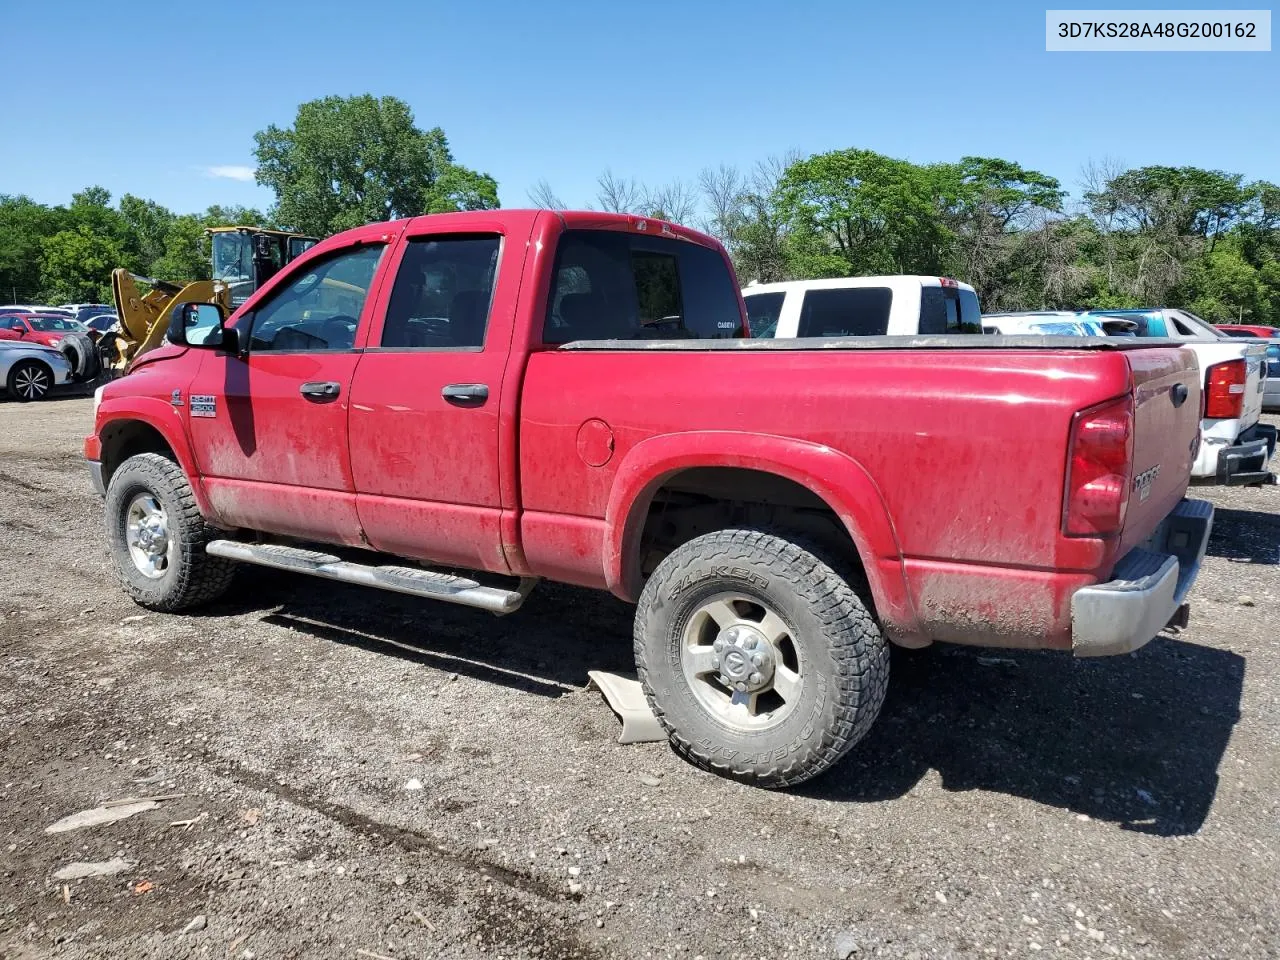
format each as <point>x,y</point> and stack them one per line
<point>758,658</point>
<point>157,536</point>
<point>29,380</point>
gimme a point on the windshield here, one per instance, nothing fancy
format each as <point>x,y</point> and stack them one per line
<point>47,324</point>
<point>233,264</point>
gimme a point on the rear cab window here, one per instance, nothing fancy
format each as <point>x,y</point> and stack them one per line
<point>610,285</point>
<point>763,310</point>
<point>845,312</point>
<point>949,310</point>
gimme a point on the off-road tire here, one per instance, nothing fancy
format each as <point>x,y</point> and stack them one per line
<point>195,577</point>
<point>15,373</point>
<point>82,353</point>
<point>846,667</point>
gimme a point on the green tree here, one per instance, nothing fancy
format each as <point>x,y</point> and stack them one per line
<point>353,160</point>
<point>146,225</point>
<point>186,251</point>
<point>860,212</point>
<point>23,225</point>
<point>76,265</point>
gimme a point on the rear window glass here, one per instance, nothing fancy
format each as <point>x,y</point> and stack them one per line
<point>619,286</point>
<point>848,312</point>
<point>949,310</point>
<point>763,310</point>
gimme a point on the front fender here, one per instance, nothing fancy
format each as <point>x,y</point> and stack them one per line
<point>842,483</point>
<point>161,416</point>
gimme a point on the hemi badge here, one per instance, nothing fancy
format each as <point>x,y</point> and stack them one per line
<point>176,399</point>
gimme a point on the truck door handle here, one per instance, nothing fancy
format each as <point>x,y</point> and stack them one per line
<point>466,394</point>
<point>1179,394</point>
<point>320,389</point>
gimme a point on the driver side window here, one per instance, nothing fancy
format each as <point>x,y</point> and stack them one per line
<point>319,308</point>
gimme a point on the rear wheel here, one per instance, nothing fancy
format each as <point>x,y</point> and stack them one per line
<point>157,536</point>
<point>29,380</point>
<point>758,658</point>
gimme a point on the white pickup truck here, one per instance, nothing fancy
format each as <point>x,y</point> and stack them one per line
<point>862,307</point>
<point>1234,447</point>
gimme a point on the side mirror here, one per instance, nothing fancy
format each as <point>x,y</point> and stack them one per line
<point>198,325</point>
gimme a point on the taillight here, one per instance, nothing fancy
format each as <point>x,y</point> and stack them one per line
<point>1224,390</point>
<point>1098,470</point>
<point>947,282</point>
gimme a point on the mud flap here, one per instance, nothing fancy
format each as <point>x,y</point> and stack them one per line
<point>625,697</point>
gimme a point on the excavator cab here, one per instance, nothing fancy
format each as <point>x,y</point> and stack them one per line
<point>244,258</point>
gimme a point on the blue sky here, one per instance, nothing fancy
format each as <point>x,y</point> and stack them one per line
<point>563,90</point>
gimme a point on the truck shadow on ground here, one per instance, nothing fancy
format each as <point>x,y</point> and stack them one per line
<point>1249,535</point>
<point>546,648</point>
<point>1133,740</point>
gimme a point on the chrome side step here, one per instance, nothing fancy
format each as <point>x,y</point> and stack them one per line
<point>408,580</point>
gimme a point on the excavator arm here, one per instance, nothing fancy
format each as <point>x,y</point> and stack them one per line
<point>144,317</point>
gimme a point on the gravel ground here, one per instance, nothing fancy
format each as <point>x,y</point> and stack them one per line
<point>363,775</point>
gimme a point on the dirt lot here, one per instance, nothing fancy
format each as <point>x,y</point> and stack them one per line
<point>1005,804</point>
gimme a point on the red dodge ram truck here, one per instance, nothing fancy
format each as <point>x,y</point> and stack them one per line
<point>572,396</point>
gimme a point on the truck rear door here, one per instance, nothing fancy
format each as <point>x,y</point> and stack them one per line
<point>427,422</point>
<point>1166,425</point>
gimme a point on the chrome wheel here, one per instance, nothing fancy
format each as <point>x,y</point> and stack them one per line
<point>31,381</point>
<point>742,662</point>
<point>147,535</point>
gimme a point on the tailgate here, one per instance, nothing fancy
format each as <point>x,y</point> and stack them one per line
<point>1255,359</point>
<point>1164,435</point>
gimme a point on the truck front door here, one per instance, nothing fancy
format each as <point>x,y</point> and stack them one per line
<point>269,429</point>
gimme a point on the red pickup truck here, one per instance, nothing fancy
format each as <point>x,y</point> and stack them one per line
<point>572,396</point>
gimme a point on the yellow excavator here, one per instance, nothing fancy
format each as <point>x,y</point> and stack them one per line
<point>244,258</point>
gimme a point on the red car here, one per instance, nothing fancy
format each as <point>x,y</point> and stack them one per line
<point>48,329</point>
<point>1247,330</point>
<point>570,396</point>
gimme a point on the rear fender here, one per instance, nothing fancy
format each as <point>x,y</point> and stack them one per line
<point>839,480</point>
<point>166,420</point>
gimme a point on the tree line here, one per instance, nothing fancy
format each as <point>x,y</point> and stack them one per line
<point>1206,240</point>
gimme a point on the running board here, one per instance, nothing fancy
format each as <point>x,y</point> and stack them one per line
<point>409,580</point>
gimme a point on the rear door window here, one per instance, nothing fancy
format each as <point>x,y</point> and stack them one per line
<point>847,312</point>
<point>442,293</point>
<point>617,286</point>
<point>763,310</point>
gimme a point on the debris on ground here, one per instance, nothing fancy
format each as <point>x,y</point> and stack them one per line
<point>197,923</point>
<point>101,815</point>
<point>80,871</point>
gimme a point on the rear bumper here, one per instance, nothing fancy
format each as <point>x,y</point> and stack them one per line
<point>1147,588</point>
<point>1245,462</point>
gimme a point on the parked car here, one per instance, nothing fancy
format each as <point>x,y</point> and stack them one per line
<point>861,307</point>
<point>62,333</point>
<point>1056,323</point>
<point>1235,447</point>
<point>568,396</point>
<point>34,308</point>
<point>1247,330</point>
<point>102,323</point>
<point>30,370</point>
<point>83,312</point>
<point>49,329</point>
<point>1271,389</point>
